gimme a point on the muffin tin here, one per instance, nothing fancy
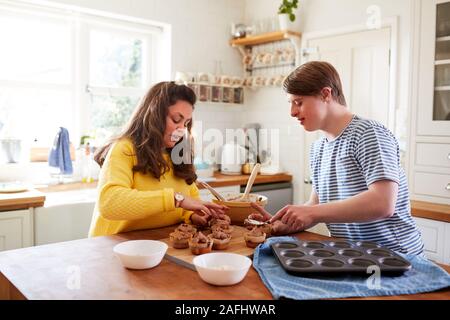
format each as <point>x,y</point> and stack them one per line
<point>334,257</point>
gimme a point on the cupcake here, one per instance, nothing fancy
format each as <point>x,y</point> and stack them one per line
<point>266,228</point>
<point>254,237</point>
<point>224,220</point>
<point>187,228</point>
<point>200,244</point>
<point>220,239</point>
<point>180,239</point>
<point>223,227</point>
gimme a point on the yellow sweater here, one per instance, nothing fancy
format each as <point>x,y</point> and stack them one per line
<point>130,200</point>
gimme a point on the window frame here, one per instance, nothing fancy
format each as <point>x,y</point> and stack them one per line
<point>86,90</point>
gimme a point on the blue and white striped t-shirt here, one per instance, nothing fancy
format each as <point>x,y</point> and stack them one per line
<point>365,152</point>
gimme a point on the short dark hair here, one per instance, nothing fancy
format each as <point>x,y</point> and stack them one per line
<point>310,78</point>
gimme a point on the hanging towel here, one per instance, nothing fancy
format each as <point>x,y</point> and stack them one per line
<point>425,276</point>
<point>59,156</point>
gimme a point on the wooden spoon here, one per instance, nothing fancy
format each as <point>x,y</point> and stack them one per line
<point>212,190</point>
<point>250,182</point>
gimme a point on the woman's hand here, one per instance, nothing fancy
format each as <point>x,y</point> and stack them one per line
<point>297,218</point>
<point>200,220</point>
<point>278,227</point>
<point>202,207</point>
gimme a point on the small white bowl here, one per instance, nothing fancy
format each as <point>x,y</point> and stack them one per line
<point>222,269</point>
<point>140,254</point>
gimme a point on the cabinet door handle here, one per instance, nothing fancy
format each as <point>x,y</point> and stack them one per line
<point>309,181</point>
<point>447,187</point>
<point>448,156</point>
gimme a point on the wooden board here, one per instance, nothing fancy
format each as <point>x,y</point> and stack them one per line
<point>184,257</point>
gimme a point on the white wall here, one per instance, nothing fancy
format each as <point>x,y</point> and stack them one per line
<point>200,31</point>
<point>269,106</point>
<point>200,36</point>
<point>200,28</point>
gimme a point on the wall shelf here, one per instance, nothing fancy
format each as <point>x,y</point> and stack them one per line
<point>217,93</point>
<point>265,38</point>
<point>268,57</point>
<point>441,62</point>
<point>442,39</point>
<point>443,88</point>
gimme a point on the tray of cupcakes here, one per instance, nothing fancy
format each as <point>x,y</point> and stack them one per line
<point>188,241</point>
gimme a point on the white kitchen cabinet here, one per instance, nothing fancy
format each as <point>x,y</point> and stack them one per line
<point>434,72</point>
<point>436,238</point>
<point>16,229</point>
<point>66,216</point>
<point>447,244</point>
<point>430,144</point>
<point>205,195</point>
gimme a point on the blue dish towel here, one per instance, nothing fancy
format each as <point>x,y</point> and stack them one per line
<point>424,276</point>
<point>59,156</point>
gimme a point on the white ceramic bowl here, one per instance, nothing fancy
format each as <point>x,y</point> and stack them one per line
<point>222,269</point>
<point>140,254</point>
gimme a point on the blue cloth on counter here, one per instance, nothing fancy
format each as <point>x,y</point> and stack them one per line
<point>424,276</point>
<point>59,156</point>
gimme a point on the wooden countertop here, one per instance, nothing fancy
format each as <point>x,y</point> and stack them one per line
<point>222,180</point>
<point>428,210</point>
<point>50,271</point>
<point>226,180</point>
<point>21,200</point>
<point>36,198</point>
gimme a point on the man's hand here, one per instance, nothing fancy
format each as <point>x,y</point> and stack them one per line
<point>295,217</point>
<point>278,227</point>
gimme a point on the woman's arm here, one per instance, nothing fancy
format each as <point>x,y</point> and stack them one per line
<point>117,200</point>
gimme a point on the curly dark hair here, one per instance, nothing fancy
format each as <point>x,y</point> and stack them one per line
<point>146,129</point>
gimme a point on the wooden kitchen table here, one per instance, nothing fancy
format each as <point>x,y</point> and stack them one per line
<point>88,269</point>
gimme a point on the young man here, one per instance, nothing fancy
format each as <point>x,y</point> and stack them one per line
<point>359,188</point>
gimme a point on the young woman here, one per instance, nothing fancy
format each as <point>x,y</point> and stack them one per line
<point>359,187</point>
<point>147,176</point>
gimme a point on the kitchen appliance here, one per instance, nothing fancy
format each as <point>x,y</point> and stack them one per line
<point>11,150</point>
<point>233,157</point>
<point>278,195</point>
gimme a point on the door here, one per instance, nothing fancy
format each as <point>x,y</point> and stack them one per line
<point>363,62</point>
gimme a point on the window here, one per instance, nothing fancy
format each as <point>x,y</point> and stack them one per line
<point>118,74</point>
<point>36,83</point>
<point>83,72</point>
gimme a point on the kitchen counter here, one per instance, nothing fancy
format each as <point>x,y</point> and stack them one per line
<point>52,272</point>
<point>226,180</point>
<point>36,198</point>
<point>428,210</point>
<point>21,200</point>
<point>221,180</point>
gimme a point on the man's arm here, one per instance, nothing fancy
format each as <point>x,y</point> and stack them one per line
<point>374,204</point>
